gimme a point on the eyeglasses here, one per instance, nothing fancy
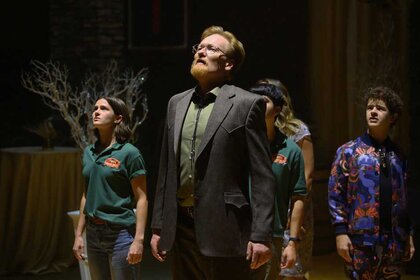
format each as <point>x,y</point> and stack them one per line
<point>210,49</point>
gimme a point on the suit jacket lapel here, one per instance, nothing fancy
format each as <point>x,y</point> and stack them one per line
<point>180,112</point>
<point>221,108</point>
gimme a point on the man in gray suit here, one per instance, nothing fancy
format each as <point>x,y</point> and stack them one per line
<point>215,191</point>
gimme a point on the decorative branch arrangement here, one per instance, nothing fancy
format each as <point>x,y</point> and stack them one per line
<point>50,81</point>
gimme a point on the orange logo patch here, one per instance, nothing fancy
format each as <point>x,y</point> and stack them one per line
<point>112,162</point>
<point>280,159</point>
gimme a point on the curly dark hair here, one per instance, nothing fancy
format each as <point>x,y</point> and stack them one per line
<point>392,100</point>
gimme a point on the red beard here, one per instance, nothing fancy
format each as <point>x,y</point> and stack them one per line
<point>198,71</point>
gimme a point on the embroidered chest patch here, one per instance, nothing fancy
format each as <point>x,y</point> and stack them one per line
<point>280,159</point>
<point>112,162</point>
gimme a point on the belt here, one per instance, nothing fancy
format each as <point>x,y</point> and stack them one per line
<point>96,221</point>
<point>187,211</point>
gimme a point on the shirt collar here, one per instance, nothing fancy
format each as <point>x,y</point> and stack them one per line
<point>279,139</point>
<point>205,99</point>
<point>368,140</point>
<point>115,146</point>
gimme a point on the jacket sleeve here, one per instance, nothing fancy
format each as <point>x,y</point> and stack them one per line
<point>337,192</point>
<point>262,178</point>
<point>157,215</point>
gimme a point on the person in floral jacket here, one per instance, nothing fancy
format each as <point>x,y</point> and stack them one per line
<point>367,195</point>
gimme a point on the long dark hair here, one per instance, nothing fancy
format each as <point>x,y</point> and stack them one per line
<point>122,130</point>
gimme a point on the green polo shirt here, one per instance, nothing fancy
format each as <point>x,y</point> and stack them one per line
<point>289,173</point>
<point>192,132</point>
<point>109,195</point>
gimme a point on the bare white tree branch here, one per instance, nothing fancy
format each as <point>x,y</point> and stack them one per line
<point>50,81</point>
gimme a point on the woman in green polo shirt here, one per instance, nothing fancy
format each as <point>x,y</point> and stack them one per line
<point>298,131</point>
<point>288,169</point>
<point>115,184</point>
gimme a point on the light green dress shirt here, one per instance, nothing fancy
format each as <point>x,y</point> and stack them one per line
<point>192,132</point>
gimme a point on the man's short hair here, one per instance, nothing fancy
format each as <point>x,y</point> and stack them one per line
<point>236,49</point>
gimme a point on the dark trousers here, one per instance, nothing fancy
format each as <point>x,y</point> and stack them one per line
<point>271,270</point>
<point>372,263</point>
<point>189,263</point>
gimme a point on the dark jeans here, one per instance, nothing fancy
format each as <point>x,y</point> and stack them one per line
<point>107,249</point>
<point>189,263</point>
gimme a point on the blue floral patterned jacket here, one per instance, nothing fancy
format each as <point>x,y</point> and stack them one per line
<point>353,193</point>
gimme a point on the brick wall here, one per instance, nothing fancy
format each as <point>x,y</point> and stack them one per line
<point>87,34</point>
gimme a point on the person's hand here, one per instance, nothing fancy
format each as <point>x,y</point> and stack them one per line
<point>410,250</point>
<point>135,253</point>
<point>78,248</point>
<point>288,257</point>
<point>344,247</point>
<point>154,244</point>
<point>258,253</point>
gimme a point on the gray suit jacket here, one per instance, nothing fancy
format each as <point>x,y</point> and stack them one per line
<point>234,152</point>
